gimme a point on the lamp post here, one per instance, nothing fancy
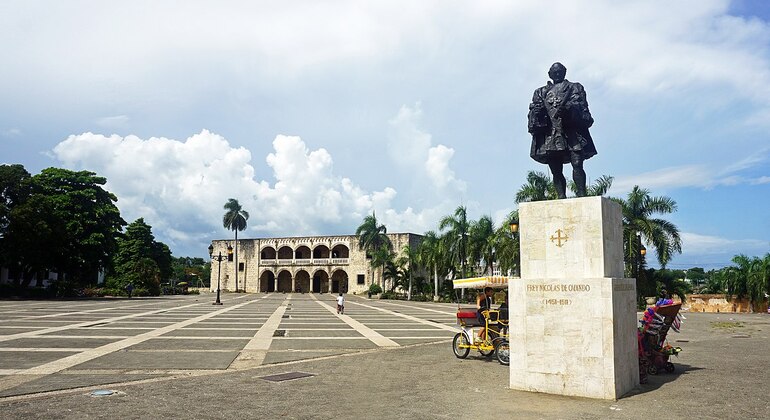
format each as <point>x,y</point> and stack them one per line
<point>219,259</point>
<point>514,225</point>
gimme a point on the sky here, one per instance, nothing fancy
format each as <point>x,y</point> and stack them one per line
<point>315,114</point>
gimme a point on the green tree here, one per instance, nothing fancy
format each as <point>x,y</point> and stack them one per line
<point>749,277</point>
<point>88,222</point>
<point>373,239</point>
<point>508,245</point>
<point>483,243</point>
<point>539,187</point>
<point>671,281</point>
<point>235,219</point>
<point>456,236</point>
<point>638,211</point>
<point>141,260</point>
<point>407,260</point>
<point>15,188</point>
<point>431,255</point>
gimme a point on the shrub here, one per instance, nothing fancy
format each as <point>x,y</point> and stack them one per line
<point>375,289</point>
<point>389,295</point>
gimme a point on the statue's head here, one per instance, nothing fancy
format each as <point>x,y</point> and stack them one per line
<point>557,72</point>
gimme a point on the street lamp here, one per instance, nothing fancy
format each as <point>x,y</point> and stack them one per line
<point>514,226</point>
<point>219,259</point>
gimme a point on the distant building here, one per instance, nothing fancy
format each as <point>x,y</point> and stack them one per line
<point>310,264</point>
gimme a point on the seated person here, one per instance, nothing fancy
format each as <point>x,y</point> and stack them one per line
<point>483,303</point>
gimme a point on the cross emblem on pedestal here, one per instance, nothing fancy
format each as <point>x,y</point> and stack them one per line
<point>559,239</point>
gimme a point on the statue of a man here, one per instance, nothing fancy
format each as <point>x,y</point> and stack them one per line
<point>558,121</point>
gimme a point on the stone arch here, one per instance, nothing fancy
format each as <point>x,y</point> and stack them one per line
<point>302,252</point>
<point>267,253</point>
<point>321,251</point>
<point>267,281</point>
<point>285,253</point>
<point>340,251</point>
<point>339,281</point>
<point>284,281</point>
<point>302,281</point>
<point>319,281</point>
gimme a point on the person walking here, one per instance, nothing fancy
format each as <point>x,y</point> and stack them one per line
<point>341,304</point>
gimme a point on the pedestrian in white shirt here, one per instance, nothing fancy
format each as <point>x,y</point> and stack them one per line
<point>340,304</point>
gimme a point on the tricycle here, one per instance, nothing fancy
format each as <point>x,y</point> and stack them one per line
<point>487,333</point>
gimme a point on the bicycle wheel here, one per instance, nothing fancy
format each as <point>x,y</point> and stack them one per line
<point>461,340</point>
<point>503,351</point>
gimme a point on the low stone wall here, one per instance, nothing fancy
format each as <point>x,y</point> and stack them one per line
<point>720,303</point>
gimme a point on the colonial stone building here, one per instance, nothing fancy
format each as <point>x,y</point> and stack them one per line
<point>310,264</point>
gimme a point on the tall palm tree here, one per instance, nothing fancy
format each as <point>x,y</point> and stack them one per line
<point>638,211</point>
<point>508,245</point>
<point>373,239</point>
<point>483,243</point>
<point>599,187</point>
<point>456,236</point>
<point>749,278</point>
<point>430,255</point>
<point>539,187</point>
<point>407,260</point>
<point>235,219</point>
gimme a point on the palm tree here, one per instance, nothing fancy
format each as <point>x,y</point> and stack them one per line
<point>749,278</point>
<point>483,243</point>
<point>508,245</point>
<point>456,236</point>
<point>599,187</point>
<point>638,209</point>
<point>539,187</point>
<point>407,260</point>
<point>373,238</point>
<point>430,255</point>
<point>235,219</point>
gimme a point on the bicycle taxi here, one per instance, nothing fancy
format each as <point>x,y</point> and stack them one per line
<point>493,322</point>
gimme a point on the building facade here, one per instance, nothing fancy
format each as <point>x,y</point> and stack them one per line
<point>307,264</point>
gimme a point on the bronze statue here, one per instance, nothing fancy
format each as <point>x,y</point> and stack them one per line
<point>558,121</point>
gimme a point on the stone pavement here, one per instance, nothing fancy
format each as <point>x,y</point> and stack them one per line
<point>49,345</point>
<point>181,357</point>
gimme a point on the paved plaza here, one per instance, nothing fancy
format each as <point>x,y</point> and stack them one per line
<point>183,357</point>
<point>48,345</point>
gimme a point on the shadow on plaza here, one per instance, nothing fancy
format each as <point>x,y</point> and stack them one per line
<point>654,382</point>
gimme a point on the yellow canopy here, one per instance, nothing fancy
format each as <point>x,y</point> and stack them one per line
<point>496,282</point>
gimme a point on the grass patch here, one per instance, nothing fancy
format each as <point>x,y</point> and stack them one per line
<point>727,325</point>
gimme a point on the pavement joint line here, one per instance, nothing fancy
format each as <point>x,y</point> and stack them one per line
<point>77,325</point>
<point>411,318</point>
<point>321,338</point>
<point>182,374</point>
<point>78,358</point>
<point>58,314</point>
<point>375,337</point>
<point>46,349</point>
<point>255,351</point>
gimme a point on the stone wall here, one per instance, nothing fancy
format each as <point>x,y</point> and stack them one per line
<point>720,303</point>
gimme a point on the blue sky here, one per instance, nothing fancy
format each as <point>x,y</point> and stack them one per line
<point>314,114</point>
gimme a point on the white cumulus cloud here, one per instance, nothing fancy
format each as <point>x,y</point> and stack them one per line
<point>179,187</point>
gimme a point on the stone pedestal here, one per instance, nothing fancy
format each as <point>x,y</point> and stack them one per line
<point>572,314</point>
